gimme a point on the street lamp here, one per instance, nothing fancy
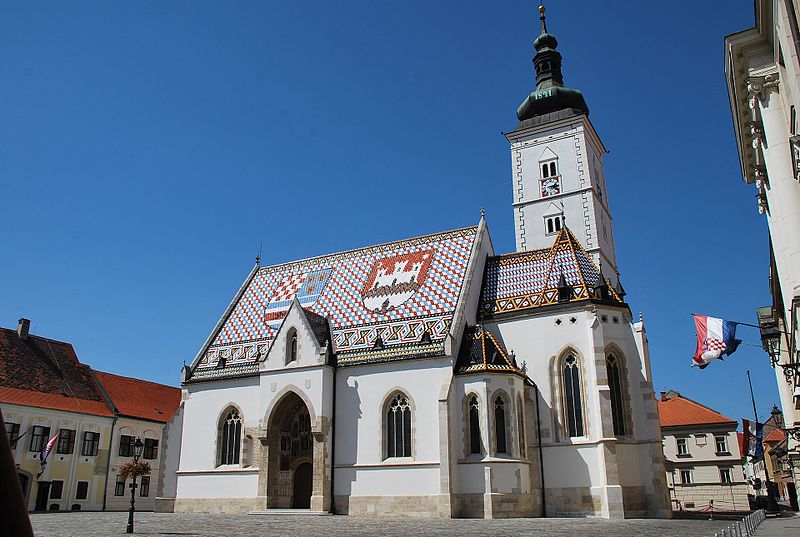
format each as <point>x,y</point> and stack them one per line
<point>137,452</point>
<point>777,417</point>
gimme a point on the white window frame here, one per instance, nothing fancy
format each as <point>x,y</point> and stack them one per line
<point>723,472</point>
<point>684,473</point>
<point>724,439</point>
<point>557,221</point>
<point>681,441</point>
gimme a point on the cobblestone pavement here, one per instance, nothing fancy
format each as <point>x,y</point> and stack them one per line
<point>101,524</point>
<point>780,527</point>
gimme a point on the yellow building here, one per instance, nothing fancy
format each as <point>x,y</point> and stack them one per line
<point>93,417</point>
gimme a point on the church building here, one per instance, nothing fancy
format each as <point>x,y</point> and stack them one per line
<point>433,376</point>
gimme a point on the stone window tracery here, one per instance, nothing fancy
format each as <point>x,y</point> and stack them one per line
<point>398,427</point>
<point>614,383</point>
<point>573,403</point>
<point>474,426</point>
<point>500,424</point>
<point>231,439</point>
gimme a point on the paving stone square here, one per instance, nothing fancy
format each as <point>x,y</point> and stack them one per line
<point>106,523</point>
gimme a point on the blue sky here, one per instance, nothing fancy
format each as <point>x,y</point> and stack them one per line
<point>147,149</point>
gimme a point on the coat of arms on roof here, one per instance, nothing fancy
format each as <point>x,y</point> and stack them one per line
<point>305,286</point>
<point>393,280</point>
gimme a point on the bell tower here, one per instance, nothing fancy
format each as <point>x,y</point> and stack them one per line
<point>557,165</point>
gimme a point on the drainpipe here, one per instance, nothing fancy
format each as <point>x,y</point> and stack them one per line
<point>333,441</point>
<point>541,457</point>
<point>108,460</point>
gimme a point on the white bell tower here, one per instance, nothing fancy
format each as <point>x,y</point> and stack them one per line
<point>557,166</point>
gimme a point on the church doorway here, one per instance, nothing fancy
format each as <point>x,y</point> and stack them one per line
<point>302,485</point>
<point>290,475</point>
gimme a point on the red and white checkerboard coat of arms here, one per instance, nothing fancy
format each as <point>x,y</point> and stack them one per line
<point>395,279</point>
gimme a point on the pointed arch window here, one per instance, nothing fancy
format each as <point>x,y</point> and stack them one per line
<point>615,385</point>
<point>521,430</point>
<point>291,346</point>
<point>500,424</point>
<point>573,403</point>
<point>231,438</point>
<point>474,426</point>
<point>398,427</point>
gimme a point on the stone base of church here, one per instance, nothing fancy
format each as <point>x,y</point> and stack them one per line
<point>400,506</point>
<point>496,505</point>
<point>164,505</point>
<point>218,505</point>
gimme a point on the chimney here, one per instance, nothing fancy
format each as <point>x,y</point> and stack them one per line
<point>23,328</point>
<point>663,396</point>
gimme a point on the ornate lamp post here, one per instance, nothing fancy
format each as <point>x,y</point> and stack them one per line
<point>137,452</point>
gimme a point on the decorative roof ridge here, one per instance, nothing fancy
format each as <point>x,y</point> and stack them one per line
<point>525,253</point>
<point>566,237</point>
<point>464,361</point>
<point>360,248</point>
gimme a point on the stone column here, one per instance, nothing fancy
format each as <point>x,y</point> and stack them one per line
<point>263,467</point>
<point>321,494</point>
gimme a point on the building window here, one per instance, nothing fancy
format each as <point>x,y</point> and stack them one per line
<point>474,426</point>
<point>617,414</point>
<point>12,431</point>
<point>119,487</point>
<point>144,488</point>
<point>91,441</point>
<point>683,447</point>
<point>66,442</point>
<point>126,445</point>
<point>500,424</point>
<point>291,346</point>
<point>231,438</point>
<point>686,477</point>
<point>521,431</point>
<point>552,224</point>
<point>398,427</point>
<point>721,442</point>
<point>725,476</point>
<point>549,169</point>
<point>573,404</point>
<point>83,490</point>
<point>150,448</point>
<point>39,436</point>
<point>56,489</point>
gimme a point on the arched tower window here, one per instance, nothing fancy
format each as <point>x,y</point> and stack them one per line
<point>500,424</point>
<point>552,168</point>
<point>474,426</point>
<point>545,171</point>
<point>231,438</point>
<point>291,346</point>
<point>573,404</point>
<point>617,414</point>
<point>398,427</point>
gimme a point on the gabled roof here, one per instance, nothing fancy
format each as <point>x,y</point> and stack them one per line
<point>527,280</point>
<point>385,302</point>
<point>675,410</point>
<point>45,373</point>
<point>141,399</point>
<point>481,352</point>
<point>775,436</point>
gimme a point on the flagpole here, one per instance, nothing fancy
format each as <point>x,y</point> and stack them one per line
<point>752,397</point>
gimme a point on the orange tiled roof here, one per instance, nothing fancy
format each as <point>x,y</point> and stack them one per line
<point>53,401</point>
<point>676,411</point>
<point>140,398</point>
<point>775,436</point>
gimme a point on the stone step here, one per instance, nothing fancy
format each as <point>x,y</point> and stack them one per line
<point>307,512</point>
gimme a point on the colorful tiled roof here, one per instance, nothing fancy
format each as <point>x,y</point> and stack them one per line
<point>142,399</point>
<point>526,280</point>
<point>46,373</point>
<point>481,352</point>
<point>675,410</point>
<point>382,302</point>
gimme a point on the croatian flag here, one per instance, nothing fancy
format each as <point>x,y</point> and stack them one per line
<point>715,337</point>
<point>753,439</point>
<point>45,452</point>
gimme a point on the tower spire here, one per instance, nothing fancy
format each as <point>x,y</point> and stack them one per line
<point>542,17</point>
